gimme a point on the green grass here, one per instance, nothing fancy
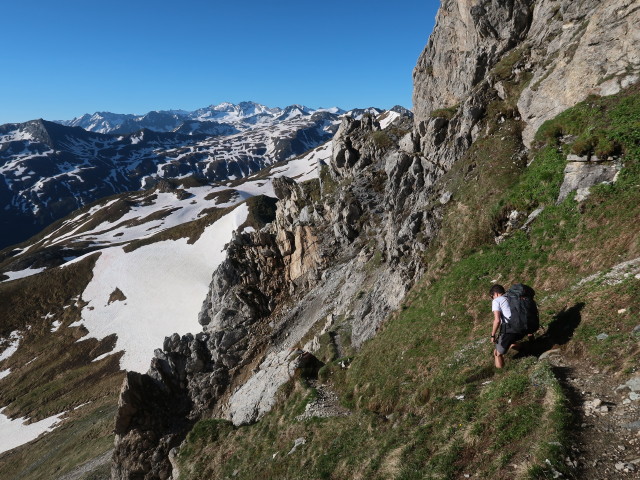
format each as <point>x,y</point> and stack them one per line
<point>381,139</point>
<point>600,125</point>
<point>447,113</point>
<point>328,185</point>
<point>539,184</point>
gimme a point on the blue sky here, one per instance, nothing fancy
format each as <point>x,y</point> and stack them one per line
<point>63,58</point>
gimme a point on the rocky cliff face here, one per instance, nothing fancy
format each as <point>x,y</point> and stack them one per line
<point>566,50</point>
<point>347,248</point>
<point>469,38</point>
<point>581,48</point>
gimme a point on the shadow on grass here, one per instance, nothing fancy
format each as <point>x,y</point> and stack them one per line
<point>559,332</point>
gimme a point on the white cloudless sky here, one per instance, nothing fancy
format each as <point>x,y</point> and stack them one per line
<point>63,58</point>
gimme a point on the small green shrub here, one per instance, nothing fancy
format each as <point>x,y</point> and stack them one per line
<point>606,147</point>
<point>583,146</point>
<point>381,139</point>
<point>448,112</point>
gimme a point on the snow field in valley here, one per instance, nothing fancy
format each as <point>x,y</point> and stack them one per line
<point>166,282</point>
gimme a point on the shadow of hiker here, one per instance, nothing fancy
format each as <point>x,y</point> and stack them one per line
<point>559,332</point>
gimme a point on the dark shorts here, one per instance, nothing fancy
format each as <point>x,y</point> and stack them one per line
<point>505,340</point>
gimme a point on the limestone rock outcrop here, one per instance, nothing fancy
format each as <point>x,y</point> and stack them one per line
<point>583,172</point>
<point>469,38</point>
<point>567,50</point>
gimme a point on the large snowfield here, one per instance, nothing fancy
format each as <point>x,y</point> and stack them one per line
<point>164,284</point>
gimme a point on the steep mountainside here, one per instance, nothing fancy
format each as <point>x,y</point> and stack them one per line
<point>345,334</point>
<point>95,293</point>
<point>400,204</point>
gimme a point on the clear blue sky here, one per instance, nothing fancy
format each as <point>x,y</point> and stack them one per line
<point>60,59</point>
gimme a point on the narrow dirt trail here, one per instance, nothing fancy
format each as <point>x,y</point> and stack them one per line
<point>606,435</point>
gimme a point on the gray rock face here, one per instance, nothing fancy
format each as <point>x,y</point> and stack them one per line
<point>568,49</point>
<point>469,38</point>
<point>578,48</point>
<point>580,174</point>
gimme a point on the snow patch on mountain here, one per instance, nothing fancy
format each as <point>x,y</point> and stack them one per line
<point>164,284</point>
<point>387,118</point>
<point>306,167</point>
<point>16,432</point>
<point>22,273</point>
<point>14,338</point>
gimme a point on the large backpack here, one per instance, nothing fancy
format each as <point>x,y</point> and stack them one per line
<point>524,311</point>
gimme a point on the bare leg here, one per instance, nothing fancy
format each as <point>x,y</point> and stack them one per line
<point>499,359</point>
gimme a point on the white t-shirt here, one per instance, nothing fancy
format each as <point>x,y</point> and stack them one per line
<point>501,304</point>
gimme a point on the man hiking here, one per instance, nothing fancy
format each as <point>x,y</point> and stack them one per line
<point>501,315</point>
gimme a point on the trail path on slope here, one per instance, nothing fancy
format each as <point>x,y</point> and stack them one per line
<point>606,440</point>
<point>89,467</point>
<point>325,405</point>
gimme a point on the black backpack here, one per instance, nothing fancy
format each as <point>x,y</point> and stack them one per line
<point>524,311</point>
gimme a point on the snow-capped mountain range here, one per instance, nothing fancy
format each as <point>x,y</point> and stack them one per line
<point>223,119</point>
<point>49,169</point>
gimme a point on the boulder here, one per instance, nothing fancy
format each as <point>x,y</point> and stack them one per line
<point>580,175</point>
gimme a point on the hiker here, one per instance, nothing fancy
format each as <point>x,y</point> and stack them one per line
<point>515,314</point>
<point>501,315</point>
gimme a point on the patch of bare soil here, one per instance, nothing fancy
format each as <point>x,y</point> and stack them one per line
<point>325,405</point>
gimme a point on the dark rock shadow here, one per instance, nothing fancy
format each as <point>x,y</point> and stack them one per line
<point>559,332</point>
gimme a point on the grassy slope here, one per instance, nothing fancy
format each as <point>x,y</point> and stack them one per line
<point>402,386</point>
<point>52,372</point>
